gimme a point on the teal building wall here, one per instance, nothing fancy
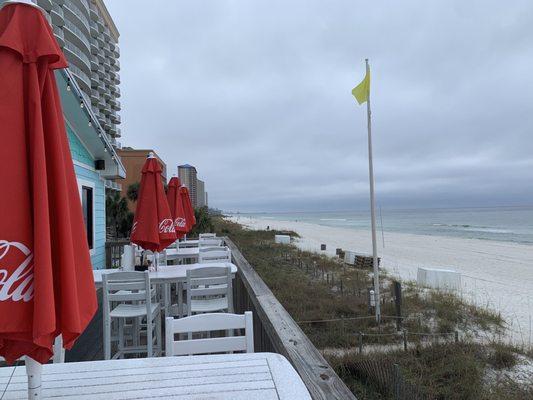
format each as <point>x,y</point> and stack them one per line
<point>85,172</point>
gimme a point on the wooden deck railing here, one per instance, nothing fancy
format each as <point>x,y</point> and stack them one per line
<point>276,331</point>
<point>113,252</point>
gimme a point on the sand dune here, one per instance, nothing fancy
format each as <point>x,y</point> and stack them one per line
<point>498,275</point>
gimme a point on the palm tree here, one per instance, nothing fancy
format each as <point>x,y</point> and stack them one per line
<point>118,216</point>
<point>133,192</point>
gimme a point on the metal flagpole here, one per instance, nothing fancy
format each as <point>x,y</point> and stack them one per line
<point>372,205</point>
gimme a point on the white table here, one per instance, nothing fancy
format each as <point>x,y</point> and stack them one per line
<point>165,276</point>
<point>261,376</point>
<point>183,253</point>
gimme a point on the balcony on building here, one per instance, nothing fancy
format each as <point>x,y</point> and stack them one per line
<point>84,6</point>
<point>101,88</point>
<point>57,16</point>
<point>93,29</point>
<point>75,55</point>
<point>60,37</point>
<point>94,14</point>
<point>94,98</point>
<point>46,4</point>
<point>106,79</point>
<point>76,36</point>
<point>73,13</point>
<point>94,64</point>
<point>101,27</point>
<point>100,56</point>
<point>116,119</point>
<point>82,78</point>
<point>94,49</point>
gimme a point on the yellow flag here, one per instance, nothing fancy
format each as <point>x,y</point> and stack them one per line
<point>362,91</point>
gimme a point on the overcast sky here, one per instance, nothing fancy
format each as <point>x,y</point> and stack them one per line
<point>256,94</point>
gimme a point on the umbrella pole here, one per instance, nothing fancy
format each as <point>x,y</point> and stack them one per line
<point>156,260</point>
<point>34,371</point>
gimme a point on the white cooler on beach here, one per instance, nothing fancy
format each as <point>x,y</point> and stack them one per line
<point>349,257</point>
<point>439,278</point>
<point>285,239</point>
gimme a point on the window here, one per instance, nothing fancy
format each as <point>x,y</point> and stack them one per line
<point>87,207</point>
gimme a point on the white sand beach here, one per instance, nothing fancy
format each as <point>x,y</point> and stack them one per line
<point>498,275</point>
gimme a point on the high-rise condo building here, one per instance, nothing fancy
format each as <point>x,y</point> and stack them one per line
<point>89,39</point>
<point>187,175</point>
<point>200,193</point>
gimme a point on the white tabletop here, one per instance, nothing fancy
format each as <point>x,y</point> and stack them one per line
<point>261,376</point>
<point>165,274</point>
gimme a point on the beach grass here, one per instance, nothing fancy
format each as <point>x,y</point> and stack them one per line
<point>329,301</point>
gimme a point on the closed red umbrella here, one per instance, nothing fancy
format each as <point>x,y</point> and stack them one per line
<point>153,227</point>
<point>187,207</point>
<point>176,207</point>
<point>46,281</point>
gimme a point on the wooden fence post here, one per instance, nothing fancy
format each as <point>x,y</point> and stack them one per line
<point>405,340</point>
<point>396,379</point>
<point>360,343</point>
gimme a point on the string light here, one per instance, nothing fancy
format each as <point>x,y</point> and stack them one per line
<point>81,104</point>
<point>90,123</point>
<point>68,87</point>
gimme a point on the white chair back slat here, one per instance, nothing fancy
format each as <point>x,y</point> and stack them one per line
<point>207,249</point>
<point>209,242</point>
<point>215,256</point>
<point>211,280</point>
<point>209,323</point>
<point>217,290</point>
<point>208,346</point>
<point>207,235</point>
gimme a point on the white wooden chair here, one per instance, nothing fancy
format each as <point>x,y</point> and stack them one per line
<point>136,301</point>
<point>209,290</point>
<point>214,255</point>
<point>207,323</point>
<point>207,235</point>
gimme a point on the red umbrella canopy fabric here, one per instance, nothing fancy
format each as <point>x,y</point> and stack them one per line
<point>46,281</point>
<point>176,207</point>
<point>187,206</point>
<point>153,227</point>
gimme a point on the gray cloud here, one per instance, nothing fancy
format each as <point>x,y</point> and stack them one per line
<point>256,94</point>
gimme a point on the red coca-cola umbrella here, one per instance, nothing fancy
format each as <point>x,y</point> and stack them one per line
<point>46,280</point>
<point>176,207</point>
<point>153,227</point>
<point>187,207</point>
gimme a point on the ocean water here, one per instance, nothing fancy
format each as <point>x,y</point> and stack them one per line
<point>507,224</point>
